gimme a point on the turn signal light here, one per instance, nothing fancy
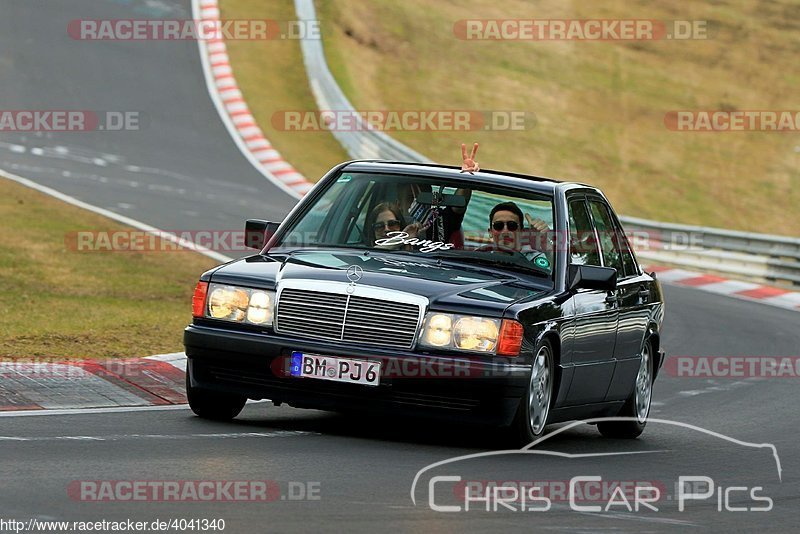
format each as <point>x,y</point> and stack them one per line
<point>510,341</point>
<point>199,299</point>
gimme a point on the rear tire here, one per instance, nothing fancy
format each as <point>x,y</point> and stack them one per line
<point>637,407</point>
<point>534,408</point>
<point>212,404</point>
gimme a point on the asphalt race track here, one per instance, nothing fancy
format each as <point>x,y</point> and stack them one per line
<point>179,171</point>
<point>184,172</point>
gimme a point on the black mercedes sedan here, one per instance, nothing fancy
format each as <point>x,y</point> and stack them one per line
<point>417,289</point>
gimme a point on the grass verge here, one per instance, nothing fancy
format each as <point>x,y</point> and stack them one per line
<point>599,106</point>
<point>57,303</point>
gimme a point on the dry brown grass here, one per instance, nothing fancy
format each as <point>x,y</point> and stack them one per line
<point>57,303</point>
<point>599,105</point>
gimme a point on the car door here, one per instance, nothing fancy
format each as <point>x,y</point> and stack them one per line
<point>632,299</point>
<point>595,321</point>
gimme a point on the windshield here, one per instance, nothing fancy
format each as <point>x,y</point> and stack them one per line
<point>432,217</point>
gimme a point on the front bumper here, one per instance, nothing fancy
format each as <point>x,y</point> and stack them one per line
<point>479,390</point>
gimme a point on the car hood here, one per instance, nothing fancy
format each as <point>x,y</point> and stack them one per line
<point>448,285</point>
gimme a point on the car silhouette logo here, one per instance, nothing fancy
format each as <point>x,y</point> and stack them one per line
<point>354,273</point>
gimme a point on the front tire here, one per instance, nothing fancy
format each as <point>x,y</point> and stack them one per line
<point>534,408</point>
<point>212,404</point>
<point>637,407</point>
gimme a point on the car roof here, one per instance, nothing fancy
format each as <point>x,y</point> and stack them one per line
<point>539,184</point>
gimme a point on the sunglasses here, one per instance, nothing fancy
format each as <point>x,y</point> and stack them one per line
<point>512,225</point>
<point>393,223</point>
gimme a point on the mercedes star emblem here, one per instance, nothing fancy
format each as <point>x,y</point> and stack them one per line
<point>354,273</point>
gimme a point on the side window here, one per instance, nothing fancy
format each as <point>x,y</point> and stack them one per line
<point>612,256</point>
<point>582,243</point>
<point>628,261</point>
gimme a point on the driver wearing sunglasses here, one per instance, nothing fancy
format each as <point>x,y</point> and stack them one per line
<point>506,223</point>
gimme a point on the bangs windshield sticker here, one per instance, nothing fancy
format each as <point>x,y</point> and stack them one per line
<point>397,239</point>
<point>344,178</point>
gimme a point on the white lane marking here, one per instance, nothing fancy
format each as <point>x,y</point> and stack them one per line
<point>115,216</point>
<point>214,93</point>
<point>17,149</point>
<point>111,409</point>
<point>85,411</point>
<point>119,437</point>
<point>713,387</point>
<point>693,392</point>
<point>647,519</point>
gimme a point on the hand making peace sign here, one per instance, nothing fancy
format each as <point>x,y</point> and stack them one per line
<point>469,164</point>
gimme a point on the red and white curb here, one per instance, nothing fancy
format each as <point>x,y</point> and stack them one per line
<point>234,111</point>
<point>84,384</point>
<point>751,291</point>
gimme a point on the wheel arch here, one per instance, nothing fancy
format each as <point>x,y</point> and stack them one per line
<point>550,333</point>
<point>654,337</point>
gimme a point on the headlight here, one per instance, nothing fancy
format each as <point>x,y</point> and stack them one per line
<point>260,309</point>
<point>475,333</point>
<point>443,330</point>
<point>240,304</point>
<point>438,330</point>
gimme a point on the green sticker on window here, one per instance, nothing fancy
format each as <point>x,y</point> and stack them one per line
<point>542,262</point>
<point>344,178</point>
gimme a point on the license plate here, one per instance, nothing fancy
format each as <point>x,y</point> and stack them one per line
<point>335,369</point>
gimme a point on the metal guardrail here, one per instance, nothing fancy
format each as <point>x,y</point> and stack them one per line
<point>361,143</point>
<point>748,256</point>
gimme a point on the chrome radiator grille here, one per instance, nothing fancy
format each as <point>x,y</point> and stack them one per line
<point>350,318</point>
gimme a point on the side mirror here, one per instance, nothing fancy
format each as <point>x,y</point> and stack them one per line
<point>591,277</point>
<point>258,232</point>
